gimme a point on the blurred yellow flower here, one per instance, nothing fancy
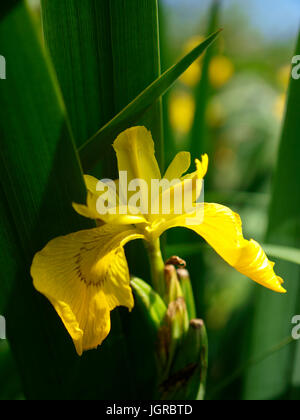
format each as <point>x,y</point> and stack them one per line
<point>221,71</point>
<point>279,106</point>
<point>193,74</point>
<point>182,111</point>
<point>283,76</point>
<point>215,113</point>
<point>85,275</point>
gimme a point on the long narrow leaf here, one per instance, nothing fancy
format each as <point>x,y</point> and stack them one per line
<point>40,177</point>
<point>89,152</point>
<point>78,36</point>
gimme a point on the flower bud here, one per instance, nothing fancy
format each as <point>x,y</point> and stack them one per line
<point>187,290</point>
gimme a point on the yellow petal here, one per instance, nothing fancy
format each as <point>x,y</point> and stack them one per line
<point>90,210</point>
<point>93,195</point>
<point>136,154</point>
<point>85,276</point>
<point>222,230</point>
<point>179,166</point>
<point>117,214</point>
<point>91,183</point>
<point>182,193</point>
<point>193,189</point>
<point>202,166</point>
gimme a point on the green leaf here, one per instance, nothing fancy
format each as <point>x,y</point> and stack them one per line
<point>250,363</point>
<point>5,9</point>
<point>150,301</point>
<point>78,35</point>
<point>96,57</point>
<point>40,177</point>
<point>142,327</point>
<point>10,382</point>
<point>283,253</point>
<point>90,151</point>
<point>200,141</point>
<point>273,378</point>
<point>137,55</point>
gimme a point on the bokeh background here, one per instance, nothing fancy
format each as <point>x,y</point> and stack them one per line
<point>245,105</point>
<point>245,92</point>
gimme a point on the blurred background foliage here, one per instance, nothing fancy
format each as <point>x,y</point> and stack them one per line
<point>245,86</point>
<point>242,86</point>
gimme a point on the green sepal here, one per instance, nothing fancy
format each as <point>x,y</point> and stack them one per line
<point>187,376</point>
<point>173,288</point>
<point>142,328</point>
<point>150,301</point>
<point>187,290</point>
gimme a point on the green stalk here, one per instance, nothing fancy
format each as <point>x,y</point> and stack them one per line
<point>157,266</point>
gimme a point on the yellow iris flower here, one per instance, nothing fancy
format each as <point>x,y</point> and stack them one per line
<point>85,275</point>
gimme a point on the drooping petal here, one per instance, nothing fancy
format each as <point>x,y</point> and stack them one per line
<point>222,230</point>
<point>179,166</point>
<point>85,276</point>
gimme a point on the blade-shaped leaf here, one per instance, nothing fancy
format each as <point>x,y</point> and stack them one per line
<point>283,253</point>
<point>200,143</point>
<point>78,36</point>
<point>89,152</point>
<point>40,177</point>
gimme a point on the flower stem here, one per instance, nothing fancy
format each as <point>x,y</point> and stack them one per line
<point>157,266</point>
